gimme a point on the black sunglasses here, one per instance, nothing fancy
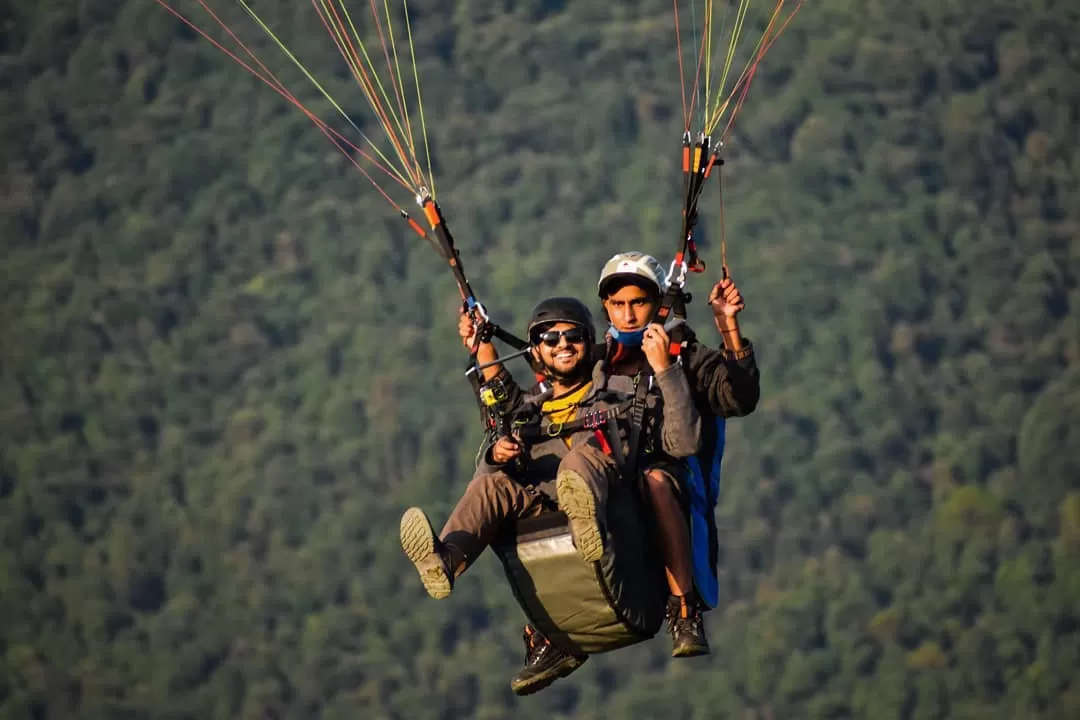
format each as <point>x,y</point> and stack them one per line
<point>551,337</point>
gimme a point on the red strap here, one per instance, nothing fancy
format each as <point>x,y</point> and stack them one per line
<point>621,352</point>
<point>602,439</point>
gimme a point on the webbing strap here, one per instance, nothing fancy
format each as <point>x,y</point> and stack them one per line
<point>637,418</point>
<point>589,421</point>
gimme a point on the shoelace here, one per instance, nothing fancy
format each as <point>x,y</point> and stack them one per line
<point>677,607</point>
<point>694,621</point>
<point>676,618</point>
<point>534,645</point>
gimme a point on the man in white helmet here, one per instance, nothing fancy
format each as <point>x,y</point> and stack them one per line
<point>724,383</point>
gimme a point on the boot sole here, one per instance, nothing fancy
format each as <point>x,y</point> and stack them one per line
<point>418,542</point>
<point>538,682</point>
<point>688,651</point>
<point>577,501</point>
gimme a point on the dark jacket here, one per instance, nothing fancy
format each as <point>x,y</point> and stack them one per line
<point>723,383</point>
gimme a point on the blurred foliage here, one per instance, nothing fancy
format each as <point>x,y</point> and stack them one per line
<point>226,367</point>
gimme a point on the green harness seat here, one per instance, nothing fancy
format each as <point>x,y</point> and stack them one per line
<point>588,608</point>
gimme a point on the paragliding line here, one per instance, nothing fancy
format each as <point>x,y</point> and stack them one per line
<point>339,140</point>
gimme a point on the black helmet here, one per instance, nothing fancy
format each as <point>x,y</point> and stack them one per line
<point>561,309</point>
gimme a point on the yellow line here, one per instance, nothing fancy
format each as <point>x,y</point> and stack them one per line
<point>708,55</point>
<point>419,102</point>
<point>389,108</point>
<point>362,79</point>
<point>746,68</point>
<point>321,89</point>
<point>736,33</point>
<point>400,89</point>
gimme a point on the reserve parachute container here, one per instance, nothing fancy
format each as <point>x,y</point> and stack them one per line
<point>589,608</point>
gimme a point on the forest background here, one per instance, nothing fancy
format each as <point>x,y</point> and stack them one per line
<point>226,367</point>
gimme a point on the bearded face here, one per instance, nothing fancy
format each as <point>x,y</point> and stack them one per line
<point>562,350</point>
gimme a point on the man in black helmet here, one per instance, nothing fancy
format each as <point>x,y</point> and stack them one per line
<point>580,464</point>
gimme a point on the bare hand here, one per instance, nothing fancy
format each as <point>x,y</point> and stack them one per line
<point>466,329</point>
<point>504,450</point>
<point>655,344</point>
<point>725,299</point>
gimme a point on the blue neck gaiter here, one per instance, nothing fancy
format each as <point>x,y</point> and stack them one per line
<point>629,339</point>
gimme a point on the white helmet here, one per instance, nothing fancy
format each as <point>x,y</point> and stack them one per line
<point>633,265</point>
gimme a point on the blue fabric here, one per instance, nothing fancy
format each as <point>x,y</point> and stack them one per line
<point>629,339</point>
<point>703,484</point>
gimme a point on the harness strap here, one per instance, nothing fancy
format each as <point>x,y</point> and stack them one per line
<point>672,314</point>
<point>614,444</point>
<point>601,423</point>
<point>637,418</point>
<point>590,421</point>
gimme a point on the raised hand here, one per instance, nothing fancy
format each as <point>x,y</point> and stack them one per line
<point>725,299</point>
<point>655,343</point>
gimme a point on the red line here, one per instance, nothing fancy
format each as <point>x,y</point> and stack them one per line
<point>748,75</point>
<point>682,73</point>
<point>373,98</point>
<point>399,93</point>
<point>362,79</point>
<point>277,87</point>
<point>697,73</point>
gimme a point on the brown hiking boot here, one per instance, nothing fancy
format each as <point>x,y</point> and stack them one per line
<point>687,626</point>
<point>544,664</point>
<point>427,553</point>
<point>577,501</point>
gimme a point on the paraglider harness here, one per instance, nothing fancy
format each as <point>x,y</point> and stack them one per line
<point>527,424</point>
<point>586,607</point>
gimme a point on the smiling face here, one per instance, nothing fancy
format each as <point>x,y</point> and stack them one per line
<point>630,308</point>
<point>565,359</point>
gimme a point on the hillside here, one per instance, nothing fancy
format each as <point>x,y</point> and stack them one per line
<point>226,366</point>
